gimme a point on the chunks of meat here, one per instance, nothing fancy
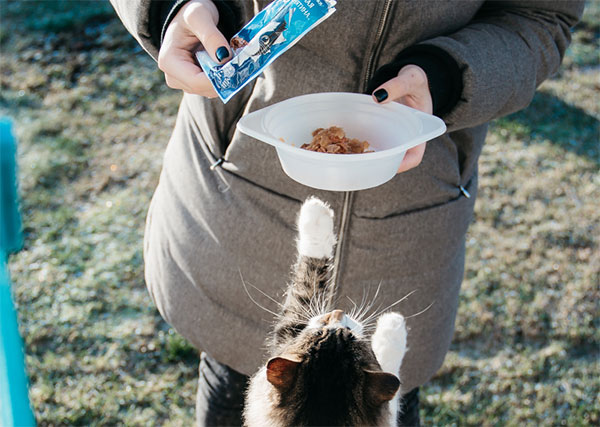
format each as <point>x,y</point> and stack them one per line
<point>334,140</point>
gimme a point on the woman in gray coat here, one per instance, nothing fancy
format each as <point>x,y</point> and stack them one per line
<point>224,206</point>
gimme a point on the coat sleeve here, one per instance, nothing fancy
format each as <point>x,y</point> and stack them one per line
<point>505,53</point>
<point>146,19</point>
<point>135,15</point>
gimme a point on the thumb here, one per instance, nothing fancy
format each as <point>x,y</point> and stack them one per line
<point>202,22</point>
<point>392,90</point>
<point>409,87</point>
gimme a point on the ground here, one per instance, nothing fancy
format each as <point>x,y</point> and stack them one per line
<point>93,116</point>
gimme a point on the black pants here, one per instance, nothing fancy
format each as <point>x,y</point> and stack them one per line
<point>220,398</point>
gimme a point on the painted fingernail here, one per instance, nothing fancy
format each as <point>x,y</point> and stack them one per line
<point>222,53</point>
<point>380,95</point>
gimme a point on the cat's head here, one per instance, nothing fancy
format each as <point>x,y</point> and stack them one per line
<point>328,375</point>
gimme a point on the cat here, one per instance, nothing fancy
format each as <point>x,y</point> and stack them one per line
<point>323,370</point>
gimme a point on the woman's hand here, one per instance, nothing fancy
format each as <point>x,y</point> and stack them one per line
<point>410,88</point>
<point>194,26</point>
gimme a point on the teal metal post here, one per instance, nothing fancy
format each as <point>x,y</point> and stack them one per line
<point>15,409</point>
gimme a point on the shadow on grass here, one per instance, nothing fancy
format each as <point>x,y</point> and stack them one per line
<point>549,118</point>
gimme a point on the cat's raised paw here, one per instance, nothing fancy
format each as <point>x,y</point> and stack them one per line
<point>389,341</point>
<point>315,229</point>
<point>392,322</point>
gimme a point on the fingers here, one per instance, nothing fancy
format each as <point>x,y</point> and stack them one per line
<point>182,73</point>
<point>194,26</point>
<point>201,21</point>
<point>409,87</point>
<point>412,158</point>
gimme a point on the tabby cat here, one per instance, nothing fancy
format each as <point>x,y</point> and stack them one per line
<point>323,369</point>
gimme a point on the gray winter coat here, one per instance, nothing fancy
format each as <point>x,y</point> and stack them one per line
<point>208,228</point>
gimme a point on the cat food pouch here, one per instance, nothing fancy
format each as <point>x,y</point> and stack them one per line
<point>270,33</point>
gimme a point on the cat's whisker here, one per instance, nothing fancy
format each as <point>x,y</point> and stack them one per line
<point>353,311</point>
<point>368,327</point>
<point>253,300</point>
<point>371,318</point>
<point>314,303</point>
<point>359,311</point>
<point>367,307</point>
<point>311,310</point>
<point>307,313</point>
<point>323,302</point>
<point>420,312</point>
<point>363,301</point>
<point>266,295</point>
<point>366,310</point>
<point>351,300</point>
<point>314,286</point>
<point>360,314</point>
<point>396,303</point>
<point>327,303</point>
<point>377,291</point>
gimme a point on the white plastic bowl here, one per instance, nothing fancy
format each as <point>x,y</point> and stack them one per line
<point>390,129</point>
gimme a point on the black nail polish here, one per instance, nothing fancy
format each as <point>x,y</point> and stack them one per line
<point>222,53</point>
<point>380,95</point>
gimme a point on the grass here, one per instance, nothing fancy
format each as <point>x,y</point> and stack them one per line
<point>93,117</point>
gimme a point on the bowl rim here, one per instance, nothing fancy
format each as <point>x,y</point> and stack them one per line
<point>253,124</point>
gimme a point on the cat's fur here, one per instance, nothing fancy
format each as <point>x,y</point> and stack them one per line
<point>322,369</point>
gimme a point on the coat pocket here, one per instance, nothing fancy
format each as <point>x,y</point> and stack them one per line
<point>420,240</point>
<point>435,181</point>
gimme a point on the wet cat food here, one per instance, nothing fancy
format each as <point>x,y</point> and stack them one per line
<point>333,140</point>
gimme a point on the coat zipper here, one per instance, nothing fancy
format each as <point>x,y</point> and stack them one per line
<point>338,248</point>
<point>349,195</point>
<point>375,49</point>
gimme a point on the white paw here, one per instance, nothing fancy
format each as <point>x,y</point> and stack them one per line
<point>392,323</point>
<point>315,229</point>
<point>389,341</point>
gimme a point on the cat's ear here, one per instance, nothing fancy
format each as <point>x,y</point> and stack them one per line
<point>281,371</point>
<point>381,386</point>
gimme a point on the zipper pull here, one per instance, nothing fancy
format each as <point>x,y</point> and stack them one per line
<point>216,164</point>
<point>464,191</point>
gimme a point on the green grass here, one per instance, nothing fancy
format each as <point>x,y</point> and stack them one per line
<point>57,16</point>
<point>93,117</point>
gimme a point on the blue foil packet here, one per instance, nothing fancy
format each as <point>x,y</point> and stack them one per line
<point>270,33</point>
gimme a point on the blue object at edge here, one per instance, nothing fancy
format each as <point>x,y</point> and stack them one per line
<point>15,409</point>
